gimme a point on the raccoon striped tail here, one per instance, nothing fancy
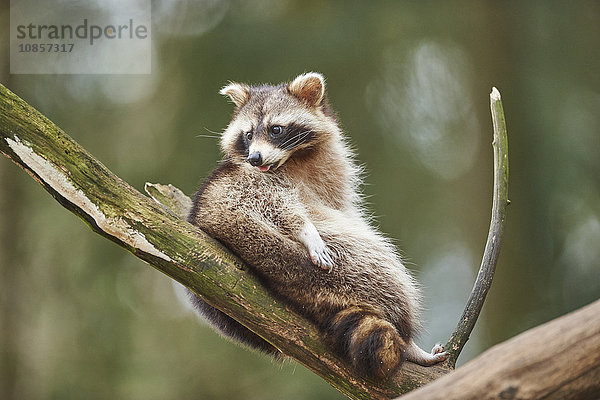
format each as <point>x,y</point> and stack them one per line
<point>370,343</point>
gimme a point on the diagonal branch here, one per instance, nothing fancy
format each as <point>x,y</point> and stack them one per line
<point>158,236</point>
<point>155,232</point>
<point>492,248</point>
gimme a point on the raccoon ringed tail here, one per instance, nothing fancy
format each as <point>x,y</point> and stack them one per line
<point>370,343</point>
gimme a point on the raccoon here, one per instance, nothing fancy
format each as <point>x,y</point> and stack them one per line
<point>286,200</point>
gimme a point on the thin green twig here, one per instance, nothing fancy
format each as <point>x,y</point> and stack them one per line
<point>492,248</point>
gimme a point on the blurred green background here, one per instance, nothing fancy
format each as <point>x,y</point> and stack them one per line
<point>82,318</point>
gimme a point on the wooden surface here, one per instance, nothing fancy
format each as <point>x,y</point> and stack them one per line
<point>557,360</point>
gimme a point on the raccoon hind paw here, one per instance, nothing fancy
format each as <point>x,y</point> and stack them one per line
<point>422,357</point>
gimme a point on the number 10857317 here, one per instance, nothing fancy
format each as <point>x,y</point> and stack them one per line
<point>46,47</point>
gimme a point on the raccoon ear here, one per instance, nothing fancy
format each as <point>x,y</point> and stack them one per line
<point>309,87</point>
<point>237,92</point>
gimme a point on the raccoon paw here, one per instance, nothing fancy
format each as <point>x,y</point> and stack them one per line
<point>438,354</point>
<point>321,258</point>
<point>421,357</point>
<point>317,249</point>
<point>437,349</point>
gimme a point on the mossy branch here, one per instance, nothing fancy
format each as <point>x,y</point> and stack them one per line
<point>155,232</point>
<point>161,238</point>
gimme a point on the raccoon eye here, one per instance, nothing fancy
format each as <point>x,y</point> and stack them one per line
<point>249,135</point>
<point>276,129</point>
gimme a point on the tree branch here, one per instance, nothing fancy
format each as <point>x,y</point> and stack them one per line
<point>555,361</point>
<point>171,197</point>
<point>155,232</point>
<point>156,235</point>
<point>500,201</point>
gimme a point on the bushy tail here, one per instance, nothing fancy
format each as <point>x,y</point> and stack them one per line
<point>370,343</point>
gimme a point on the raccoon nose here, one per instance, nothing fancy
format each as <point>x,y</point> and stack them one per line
<point>255,159</point>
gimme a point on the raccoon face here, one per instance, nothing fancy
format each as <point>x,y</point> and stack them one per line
<point>272,123</point>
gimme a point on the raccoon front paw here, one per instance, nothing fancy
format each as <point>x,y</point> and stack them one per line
<point>317,249</point>
<point>321,258</point>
